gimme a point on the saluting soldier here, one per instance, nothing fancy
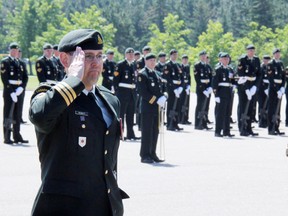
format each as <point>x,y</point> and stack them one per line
<point>108,70</point>
<point>202,75</point>
<point>173,75</point>
<point>222,85</point>
<point>263,93</point>
<point>57,63</point>
<point>78,132</point>
<point>14,81</point>
<point>185,96</point>
<point>45,66</point>
<point>150,90</point>
<point>124,83</point>
<point>276,76</point>
<point>249,76</point>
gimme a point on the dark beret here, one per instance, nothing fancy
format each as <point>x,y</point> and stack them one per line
<point>184,56</point>
<point>55,47</point>
<point>150,56</point>
<point>219,54</point>
<point>110,52</point>
<point>146,48</point>
<point>250,46</point>
<point>47,46</point>
<point>129,50</point>
<point>172,51</point>
<point>13,45</point>
<point>137,53</point>
<point>276,50</point>
<point>161,54</point>
<point>224,55</point>
<point>203,52</point>
<point>266,57</point>
<point>87,39</point>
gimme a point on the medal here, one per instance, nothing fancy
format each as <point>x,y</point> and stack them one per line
<point>173,73</point>
<point>109,71</point>
<point>48,72</point>
<point>11,73</point>
<point>152,84</point>
<point>224,79</point>
<point>126,76</point>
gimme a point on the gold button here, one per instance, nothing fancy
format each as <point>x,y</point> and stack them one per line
<point>107,132</point>
<point>109,191</point>
<point>106,172</point>
<point>105,152</point>
<point>83,126</point>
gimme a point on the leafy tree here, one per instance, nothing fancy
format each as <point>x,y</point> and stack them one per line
<point>262,13</point>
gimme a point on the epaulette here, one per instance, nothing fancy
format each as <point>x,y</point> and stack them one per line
<point>218,66</point>
<point>42,88</point>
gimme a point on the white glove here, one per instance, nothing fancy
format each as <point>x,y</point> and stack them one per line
<point>176,93</point>
<point>14,97</point>
<point>209,90</point>
<point>180,89</point>
<point>242,80</point>
<point>19,90</point>
<point>282,89</point>
<point>249,95</point>
<point>234,88</point>
<point>279,94</point>
<point>266,91</point>
<point>206,93</point>
<point>112,89</point>
<point>217,99</point>
<point>253,90</point>
<point>161,101</point>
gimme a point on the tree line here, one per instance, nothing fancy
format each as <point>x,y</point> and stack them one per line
<point>189,26</point>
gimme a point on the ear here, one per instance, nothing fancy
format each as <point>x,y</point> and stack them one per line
<point>64,58</point>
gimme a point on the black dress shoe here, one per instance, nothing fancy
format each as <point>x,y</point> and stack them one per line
<point>199,128</point>
<point>218,135</point>
<point>132,138</point>
<point>157,160</point>
<point>272,133</point>
<point>188,122</point>
<point>171,129</point>
<point>244,133</point>
<point>23,122</point>
<point>178,128</point>
<point>147,160</point>
<point>21,141</point>
<point>280,133</point>
<point>208,128</point>
<point>9,142</point>
<point>209,122</point>
<point>229,135</point>
<point>253,134</point>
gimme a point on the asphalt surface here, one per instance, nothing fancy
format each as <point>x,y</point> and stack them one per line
<point>202,175</point>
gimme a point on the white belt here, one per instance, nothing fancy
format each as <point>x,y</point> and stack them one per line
<point>126,85</point>
<point>225,84</point>
<point>110,77</point>
<point>205,80</point>
<point>265,80</point>
<point>176,82</point>
<point>15,82</point>
<point>278,81</point>
<point>250,78</point>
<point>51,81</point>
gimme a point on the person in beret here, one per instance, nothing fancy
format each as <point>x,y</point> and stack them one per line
<point>161,62</point>
<point>263,93</point>
<point>150,90</point>
<point>14,79</point>
<point>57,63</point>
<point>222,85</point>
<point>137,55</point>
<point>203,76</point>
<point>124,83</point>
<point>46,67</point>
<point>248,70</point>
<point>173,75</point>
<point>185,95</point>
<point>277,80</point>
<point>108,70</point>
<point>78,130</point>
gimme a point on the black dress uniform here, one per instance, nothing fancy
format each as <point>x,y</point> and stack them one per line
<point>276,76</point>
<point>202,75</point>
<point>13,77</point>
<point>173,75</point>
<point>77,146</point>
<point>161,67</point>
<point>150,85</point>
<point>263,95</point>
<point>46,70</point>
<point>21,97</point>
<point>248,70</point>
<point>59,68</point>
<point>222,85</point>
<point>286,94</point>
<point>108,71</point>
<point>185,98</point>
<point>124,83</point>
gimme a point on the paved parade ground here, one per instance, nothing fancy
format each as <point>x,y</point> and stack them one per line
<point>202,175</point>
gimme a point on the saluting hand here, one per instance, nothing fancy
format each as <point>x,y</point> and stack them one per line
<point>76,67</point>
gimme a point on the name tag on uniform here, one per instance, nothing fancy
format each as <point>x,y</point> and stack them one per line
<point>81,113</point>
<point>82,141</point>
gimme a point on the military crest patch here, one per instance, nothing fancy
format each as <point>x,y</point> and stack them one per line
<point>82,141</point>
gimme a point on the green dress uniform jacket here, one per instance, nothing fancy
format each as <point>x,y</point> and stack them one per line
<point>78,153</point>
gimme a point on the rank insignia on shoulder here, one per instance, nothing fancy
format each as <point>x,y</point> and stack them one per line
<point>39,70</point>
